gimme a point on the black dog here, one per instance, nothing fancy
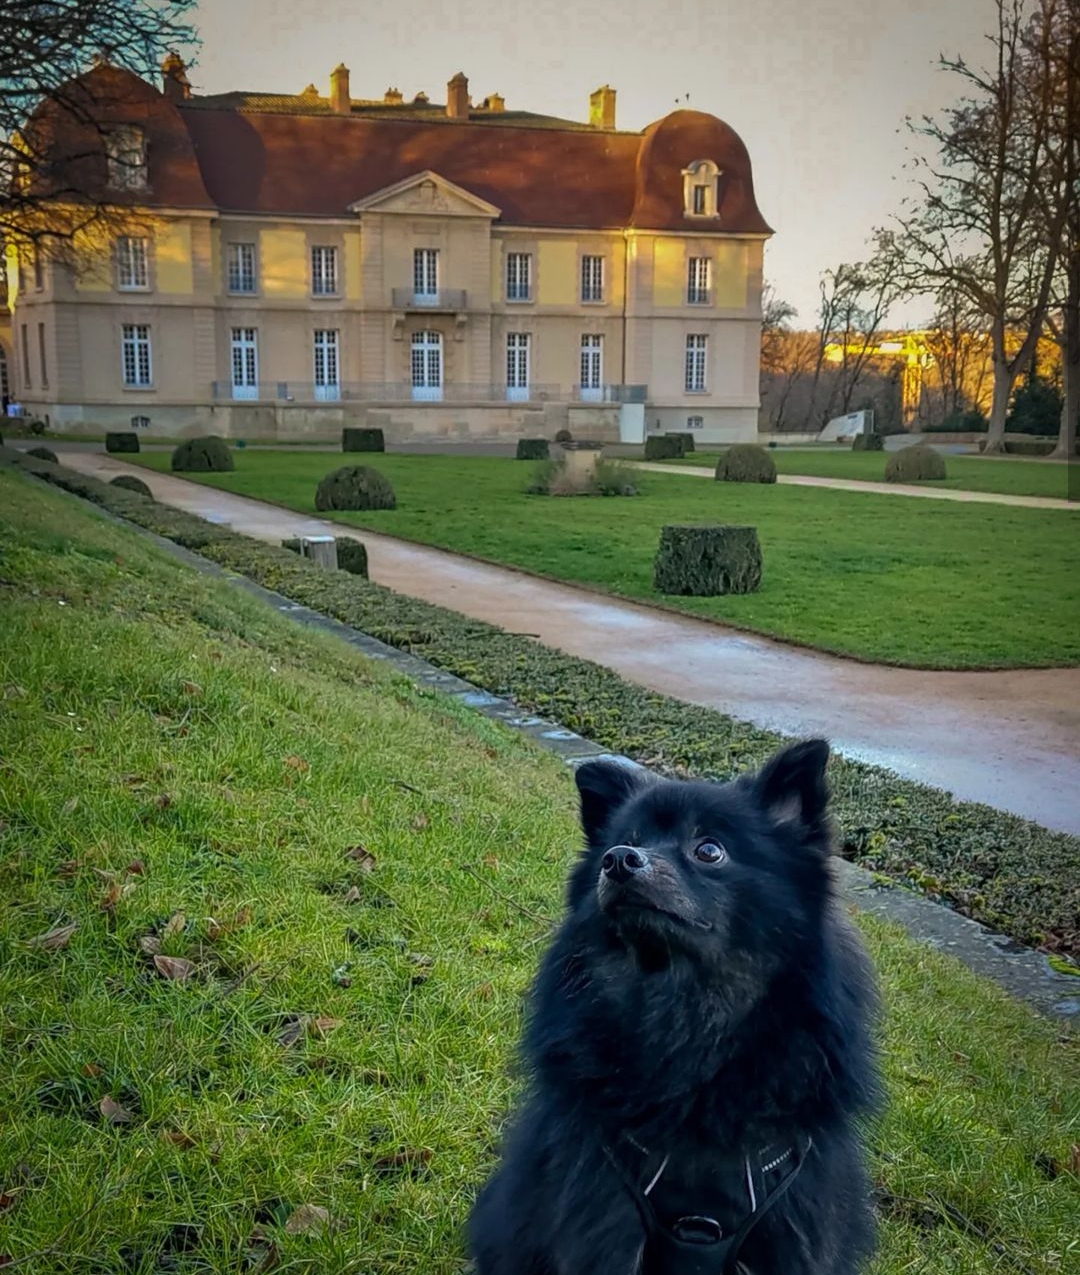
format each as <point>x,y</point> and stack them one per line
<point>699,1044</point>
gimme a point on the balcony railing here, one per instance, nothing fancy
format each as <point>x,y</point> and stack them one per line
<point>306,392</point>
<point>455,299</point>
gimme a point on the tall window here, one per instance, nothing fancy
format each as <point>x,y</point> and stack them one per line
<point>519,276</point>
<point>324,272</point>
<point>135,361</point>
<point>132,273</point>
<point>701,196</point>
<point>327,375</point>
<point>592,278</point>
<point>244,363</point>
<point>39,269</point>
<point>592,366</point>
<point>427,366</point>
<point>41,356</point>
<point>697,348</point>
<point>517,365</point>
<point>125,154</point>
<point>698,281</point>
<point>25,344</point>
<point>425,275</point>
<point>241,267</point>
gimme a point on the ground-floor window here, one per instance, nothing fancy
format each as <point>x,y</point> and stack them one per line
<point>327,374</point>
<point>427,366</point>
<point>592,367</point>
<point>135,358</point>
<point>245,363</point>
<point>517,365</point>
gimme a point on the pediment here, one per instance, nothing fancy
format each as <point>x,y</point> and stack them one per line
<point>425,194</point>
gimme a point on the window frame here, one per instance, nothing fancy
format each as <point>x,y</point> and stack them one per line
<point>236,245</point>
<point>518,283</point>
<point>426,275</point>
<point>42,363</point>
<point>699,289</point>
<point>696,363</point>
<point>135,339</point>
<point>328,352</point>
<point>136,265</point>
<point>518,365</point>
<point>122,171</point>
<point>328,255</point>
<point>592,263</point>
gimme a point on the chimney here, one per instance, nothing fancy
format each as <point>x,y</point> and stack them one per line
<point>457,98</point>
<point>174,80</point>
<point>392,97</point>
<point>496,103</point>
<point>339,90</point>
<point>602,108</point>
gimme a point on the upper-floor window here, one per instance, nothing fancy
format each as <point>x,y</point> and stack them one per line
<point>241,267</point>
<point>592,278</point>
<point>425,274</point>
<point>324,271</point>
<point>125,153</point>
<point>519,276</point>
<point>698,280</point>
<point>132,272</point>
<point>701,189</point>
<point>697,348</point>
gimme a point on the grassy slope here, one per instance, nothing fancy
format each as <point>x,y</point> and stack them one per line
<point>276,751</point>
<point>966,473</point>
<point>898,581</point>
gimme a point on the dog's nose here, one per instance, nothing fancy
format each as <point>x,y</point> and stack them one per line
<point>621,862</point>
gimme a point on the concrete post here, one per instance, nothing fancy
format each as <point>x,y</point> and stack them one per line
<point>322,550</point>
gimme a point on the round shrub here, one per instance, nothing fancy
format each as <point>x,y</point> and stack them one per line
<point>532,449</point>
<point>665,446</point>
<point>43,453</point>
<point>355,487</point>
<point>564,436</point>
<point>868,443</point>
<point>130,483</point>
<point>36,427</point>
<point>914,464</point>
<point>352,556</point>
<point>121,441</point>
<point>746,463</point>
<point>209,455</point>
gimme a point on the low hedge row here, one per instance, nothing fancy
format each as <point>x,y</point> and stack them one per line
<point>1012,875</point>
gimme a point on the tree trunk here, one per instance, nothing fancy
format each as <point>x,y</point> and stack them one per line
<point>999,408</point>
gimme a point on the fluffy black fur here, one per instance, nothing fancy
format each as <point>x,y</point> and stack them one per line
<point>707,1009</point>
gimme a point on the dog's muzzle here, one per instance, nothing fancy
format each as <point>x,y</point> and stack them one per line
<point>621,863</point>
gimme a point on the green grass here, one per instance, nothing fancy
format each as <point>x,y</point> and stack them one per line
<point>966,473</point>
<point>914,582</point>
<point>176,748</point>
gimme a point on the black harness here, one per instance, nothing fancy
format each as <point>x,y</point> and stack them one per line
<point>680,1240</point>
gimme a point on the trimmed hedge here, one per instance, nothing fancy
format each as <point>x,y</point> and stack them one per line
<point>1019,447</point>
<point>43,453</point>
<point>969,422</point>
<point>209,455</point>
<point>746,463</point>
<point>121,442</point>
<point>664,447</point>
<point>703,562</point>
<point>917,463</point>
<point>1012,875</point>
<point>687,443</point>
<point>532,449</point>
<point>362,440</point>
<point>351,554</point>
<point>355,487</point>
<point>868,443</point>
<point>130,483</point>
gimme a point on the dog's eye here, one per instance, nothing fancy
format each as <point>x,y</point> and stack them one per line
<point>710,852</point>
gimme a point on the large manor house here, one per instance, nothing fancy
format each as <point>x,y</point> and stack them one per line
<point>291,263</point>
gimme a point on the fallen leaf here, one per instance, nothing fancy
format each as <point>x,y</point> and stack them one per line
<point>216,929</point>
<point>69,807</point>
<point>420,822</point>
<point>132,781</point>
<point>306,1219</point>
<point>163,802</point>
<point>105,874</point>
<point>150,944</point>
<point>93,1070</point>
<point>174,926</point>
<point>136,868</point>
<point>341,977</point>
<point>352,894</point>
<point>174,967</point>
<point>490,861</point>
<point>262,1254</point>
<point>69,868</point>
<point>484,991</point>
<point>113,1112</point>
<point>1074,1159</point>
<point>419,959</point>
<point>56,938</point>
<point>411,1158</point>
<point>191,688</point>
<point>292,1031</point>
<point>114,894</point>
<point>322,1026</point>
<point>177,1138</point>
<point>6,1201</point>
<point>362,857</point>
<point>295,763</point>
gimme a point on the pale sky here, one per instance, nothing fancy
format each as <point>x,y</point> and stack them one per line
<point>818,89</point>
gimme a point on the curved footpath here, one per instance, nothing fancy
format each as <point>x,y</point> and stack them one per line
<point>1009,739</point>
<point>879,489</point>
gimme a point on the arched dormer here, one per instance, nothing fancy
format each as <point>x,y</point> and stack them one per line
<point>701,188</point>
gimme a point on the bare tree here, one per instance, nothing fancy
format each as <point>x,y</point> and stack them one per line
<point>49,119</point>
<point>976,225</point>
<point>959,346</point>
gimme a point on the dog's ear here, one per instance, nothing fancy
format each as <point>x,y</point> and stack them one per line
<point>603,787</point>
<point>791,786</point>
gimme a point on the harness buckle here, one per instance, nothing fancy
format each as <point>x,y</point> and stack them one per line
<point>697,1230</point>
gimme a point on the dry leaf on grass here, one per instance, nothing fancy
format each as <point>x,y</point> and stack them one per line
<point>292,1031</point>
<point>362,857</point>
<point>91,1069</point>
<point>175,967</point>
<point>420,822</point>
<point>177,1138</point>
<point>56,938</point>
<point>307,1219</point>
<point>322,1026</point>
<point>295,763</point>
<point>352,894</point>
<point>1074,1159</point>
<point>174,926</point>
<point>69,807</point>
<point>114,894</point>
<point>149,944</point>
<point>136,868</point>
<point>113,1112</point>
<point>216,929</point>
<point>191,688</point>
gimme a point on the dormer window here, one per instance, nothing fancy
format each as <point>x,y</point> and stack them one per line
<point>700,189</point>
<point>125,152</point>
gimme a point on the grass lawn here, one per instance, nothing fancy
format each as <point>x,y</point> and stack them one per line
<point>311,1071</point>
<point>966,473</point>
<point>924,583</point>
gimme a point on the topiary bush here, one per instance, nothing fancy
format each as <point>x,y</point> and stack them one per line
<point>209,455</point>
<point>564,436</point>
<point>533,449</point>
<point>868,443</point>
<point>664,447</point>
<point>130,483</point>
<point>917,463</point>
<point>1036,409</point>
<point>1029,447</point>
<point>687,442</point>
<point>122,442</point>
<point>43,453</point>
<point>355,487</point>
<point>705,561</point>
<point>362,440</point>
<point>746,463</point>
